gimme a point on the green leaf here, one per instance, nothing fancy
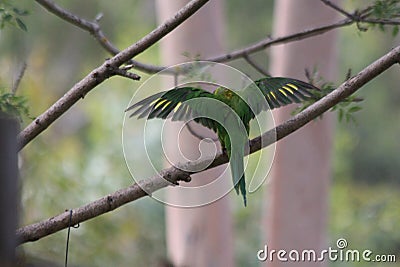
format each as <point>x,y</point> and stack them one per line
<point>344,109</point>
<point>354,109</point>
<point>348,117</point>
<point>20,12</point>
<point>21,25</point>
<point>395,30</point>
<point>13,105</point>
<point>7,17</point>
<point>345,103</point>
<point>340,115</point>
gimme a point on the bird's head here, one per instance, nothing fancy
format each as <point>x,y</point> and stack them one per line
<point>225,92</point>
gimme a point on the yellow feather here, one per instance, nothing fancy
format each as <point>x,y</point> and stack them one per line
<point>177,106</point>
<point>272,93</point>
<point>293,86</point>
<point>160,103</point>
<point>166,105</point>
<point>288,89</point>
<point>153,102</point>
<point>283,92</point>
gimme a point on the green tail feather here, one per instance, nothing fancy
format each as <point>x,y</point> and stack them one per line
<point>237,169</point>
<point>242,187</point>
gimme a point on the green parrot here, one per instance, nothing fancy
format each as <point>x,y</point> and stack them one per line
<point>230,119</point>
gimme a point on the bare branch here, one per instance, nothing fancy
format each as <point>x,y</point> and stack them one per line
<point>104,71</point>
<point>117,199</point>
<point>361,16</point>
<point>269,41</point>
<point>126,74</point>
<point>337,8</point>
<point>94,29</point>
<point>256,66</point>
<point>18,79</point>
<point>265,43</point>
<point>381,21</point>
<point>65,15</point>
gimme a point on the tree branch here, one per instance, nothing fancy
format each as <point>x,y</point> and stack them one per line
<point>381,21</point>
<point>117,199</point>
<point>267,42</point>
<point>126,74</point>
<point>17,80</point>
<point>104,71</point>
<point>94,29</point>
<point>337,8</point>
<point>361,16</point>
<point>256,66</point>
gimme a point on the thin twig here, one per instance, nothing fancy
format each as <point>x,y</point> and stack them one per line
<point>95,29</point>
<point>126,74</point>
<point>103,72</point>
<point>20,75</point>
<point>382,21</point>
<point>256,66</point>
<point>361,16</point>
<point>337,8</point>
<point>117,199</point>
<point>267,42</point>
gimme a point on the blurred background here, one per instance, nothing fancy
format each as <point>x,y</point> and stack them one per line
<point>79,158</point>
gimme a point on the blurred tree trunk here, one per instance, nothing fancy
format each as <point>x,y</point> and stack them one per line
<point>297,201</point>
<point>8,189</point>
<point>196,236</point>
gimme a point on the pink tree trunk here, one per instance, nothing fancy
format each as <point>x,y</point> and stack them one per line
<point>196,236</point>
<point>298,192</point>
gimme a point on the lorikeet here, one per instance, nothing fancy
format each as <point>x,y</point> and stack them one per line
<point>235,112</point>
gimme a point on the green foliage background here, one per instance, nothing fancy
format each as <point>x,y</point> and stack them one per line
<point>79,158</point>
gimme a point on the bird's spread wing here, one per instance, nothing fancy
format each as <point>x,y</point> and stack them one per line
<point>278,92</point>
<point>172,104</point>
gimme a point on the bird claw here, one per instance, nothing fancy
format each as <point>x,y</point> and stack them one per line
<point>182,176</point>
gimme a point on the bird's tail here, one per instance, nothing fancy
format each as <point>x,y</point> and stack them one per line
<point>237,169</point>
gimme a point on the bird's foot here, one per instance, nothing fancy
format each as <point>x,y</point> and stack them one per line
<point>180,176</point>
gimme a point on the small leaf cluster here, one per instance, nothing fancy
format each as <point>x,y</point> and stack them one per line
<point>13,105</point>
<point>345,109</point>
<point>384,11</point>
<point>11,15</point>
